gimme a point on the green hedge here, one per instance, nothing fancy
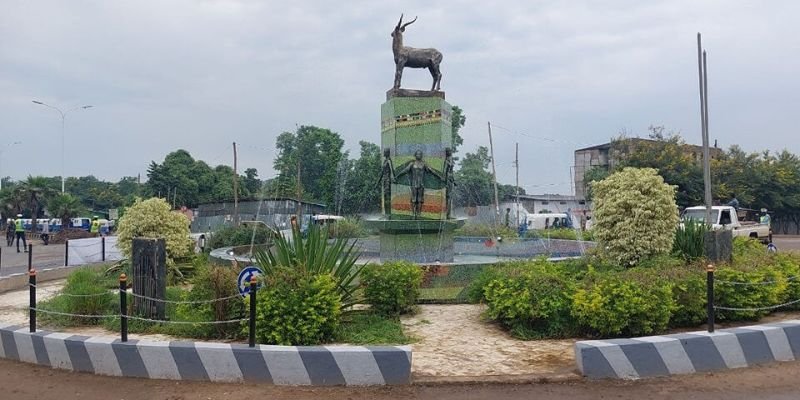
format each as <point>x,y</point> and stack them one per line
<point>295,308</point>
<point>392,288</point>
<point>535,304</point>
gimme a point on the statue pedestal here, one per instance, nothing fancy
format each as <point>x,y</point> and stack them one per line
<point>419,241</point>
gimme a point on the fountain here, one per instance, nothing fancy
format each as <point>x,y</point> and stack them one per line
<point>417,173</point>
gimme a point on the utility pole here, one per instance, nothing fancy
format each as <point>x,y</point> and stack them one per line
<point>516,188</point>
<point>235,188</point>
<point>298,191</point>
<point>494,175</point>
<point>703,79</point>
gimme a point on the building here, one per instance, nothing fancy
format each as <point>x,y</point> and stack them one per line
<point>553,203</point>
<point>606,156</point>
<point>274,212</point>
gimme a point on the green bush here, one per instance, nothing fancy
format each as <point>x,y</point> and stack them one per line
<point>635,214</point>
<point>534,305</point>
<point>208,283</point>
<point>747,289</point>
<point>297,308</point>
<point>746,250</point>
<point>86,293</point>
<point>474,229</point>
<point>227,236</point>
<point>475,290</point>
<point>690,240</point>
<point>789,266</point>
<point>349,228</point>
<point>392,288</point>
<point>614,306</point>
<point>314,254</point>
<point>368,328</point>
<point>561,233</point>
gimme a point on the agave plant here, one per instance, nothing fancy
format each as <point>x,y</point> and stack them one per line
<point>315,255</point>
<point>689,240</point>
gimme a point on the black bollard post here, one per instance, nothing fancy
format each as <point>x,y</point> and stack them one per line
<point>123,306</point>
<point>66,252</point>
<point>253,290</point>
<point>32,309</point>
<point>710,296</point>
<point>30,256</point>
<point>103,248</point>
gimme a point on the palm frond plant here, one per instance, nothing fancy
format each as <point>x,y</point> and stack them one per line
<point>316,255</point>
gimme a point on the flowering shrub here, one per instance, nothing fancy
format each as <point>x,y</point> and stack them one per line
<point>635,214</point>
<point>152,218</point>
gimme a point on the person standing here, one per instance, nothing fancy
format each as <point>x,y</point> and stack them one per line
<point>94,229</point>
<point>46,232</point>
<point>20,233</point>
<point>10,232</point>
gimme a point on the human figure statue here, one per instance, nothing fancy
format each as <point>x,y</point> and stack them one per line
<point>414,58</point>
<point>416,170</point>
<point>385,180</point>
<point>449,179</point>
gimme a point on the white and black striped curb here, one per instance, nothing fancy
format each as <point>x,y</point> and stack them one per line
<point>687,353</point>
<point>217,362</point>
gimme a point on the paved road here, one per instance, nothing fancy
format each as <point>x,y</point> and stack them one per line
<point>27,382</point>
<point>12,262</point>
<point>787,242</point>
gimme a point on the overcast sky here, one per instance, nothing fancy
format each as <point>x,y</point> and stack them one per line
<point>553,76</point>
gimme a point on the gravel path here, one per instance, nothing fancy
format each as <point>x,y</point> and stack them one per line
<point>454,341</point>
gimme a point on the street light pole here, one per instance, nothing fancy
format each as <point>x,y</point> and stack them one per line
<point>63,138</point>
<point>1,160</point>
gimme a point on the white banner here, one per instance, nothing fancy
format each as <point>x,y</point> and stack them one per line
<point>88,251</point>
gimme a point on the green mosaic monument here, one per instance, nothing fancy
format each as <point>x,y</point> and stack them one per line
<point>417,174</point>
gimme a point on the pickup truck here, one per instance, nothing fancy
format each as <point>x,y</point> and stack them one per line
<point>725,217</point>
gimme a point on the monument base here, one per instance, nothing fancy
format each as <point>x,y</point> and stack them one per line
<point>418,241</point>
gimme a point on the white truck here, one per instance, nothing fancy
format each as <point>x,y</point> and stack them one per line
<point>726,217</point>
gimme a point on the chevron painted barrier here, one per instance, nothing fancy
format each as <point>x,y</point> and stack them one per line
<point>217,362</point>
<point>687,353</point>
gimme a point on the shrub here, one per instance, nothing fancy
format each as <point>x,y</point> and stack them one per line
<point>690,240</point>
<point>746,249</point>
<point>476,229</point>
<point>790,268</point>
<point>534,305</point>
<point>392,288</point>
<point>747,289</point>
<point>614,306</point>
<point>152,218</point>
<point>315,255</point>
<point>475,291</point>
<point>349,228</point>
<point>213,282</point>
<point>561,233</point>
<point>86,293</point>
<point>238,236</point>
<point>296,308</point>
<point>635,214</point>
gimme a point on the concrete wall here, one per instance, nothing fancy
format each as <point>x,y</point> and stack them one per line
<point>216,362</point>
<point>687,353</point>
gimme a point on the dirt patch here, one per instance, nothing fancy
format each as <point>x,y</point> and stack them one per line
<point>453,340</point>
<point>14,305</point>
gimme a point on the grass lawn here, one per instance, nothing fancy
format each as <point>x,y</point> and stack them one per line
<point>367,328</point>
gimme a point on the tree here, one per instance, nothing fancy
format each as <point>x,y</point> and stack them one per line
<point>251,183</point>
<point>595,174</point>
<point>458,119</point>
<point>317,153</point>
<point>474,185</point>
<point>667,153</point>
<point>153,218</point>
<point>35,190</point>
<point>65,207</point>
<point>363,192</point>
<point>635,214</point>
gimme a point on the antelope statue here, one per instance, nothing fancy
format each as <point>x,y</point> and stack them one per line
<point>414,58</point>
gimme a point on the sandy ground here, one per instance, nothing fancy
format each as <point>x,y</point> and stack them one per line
<point>453,340</point>
<point>14,305</point>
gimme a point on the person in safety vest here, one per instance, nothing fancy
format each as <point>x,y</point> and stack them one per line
<point>94,229</point>
<point>19,228</point>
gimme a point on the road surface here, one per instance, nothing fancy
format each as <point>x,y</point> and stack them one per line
<point>20,381</point>
<point>12,262</point>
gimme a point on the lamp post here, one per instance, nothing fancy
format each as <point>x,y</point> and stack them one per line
<point>1,159</point>
<point>63,150</point>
